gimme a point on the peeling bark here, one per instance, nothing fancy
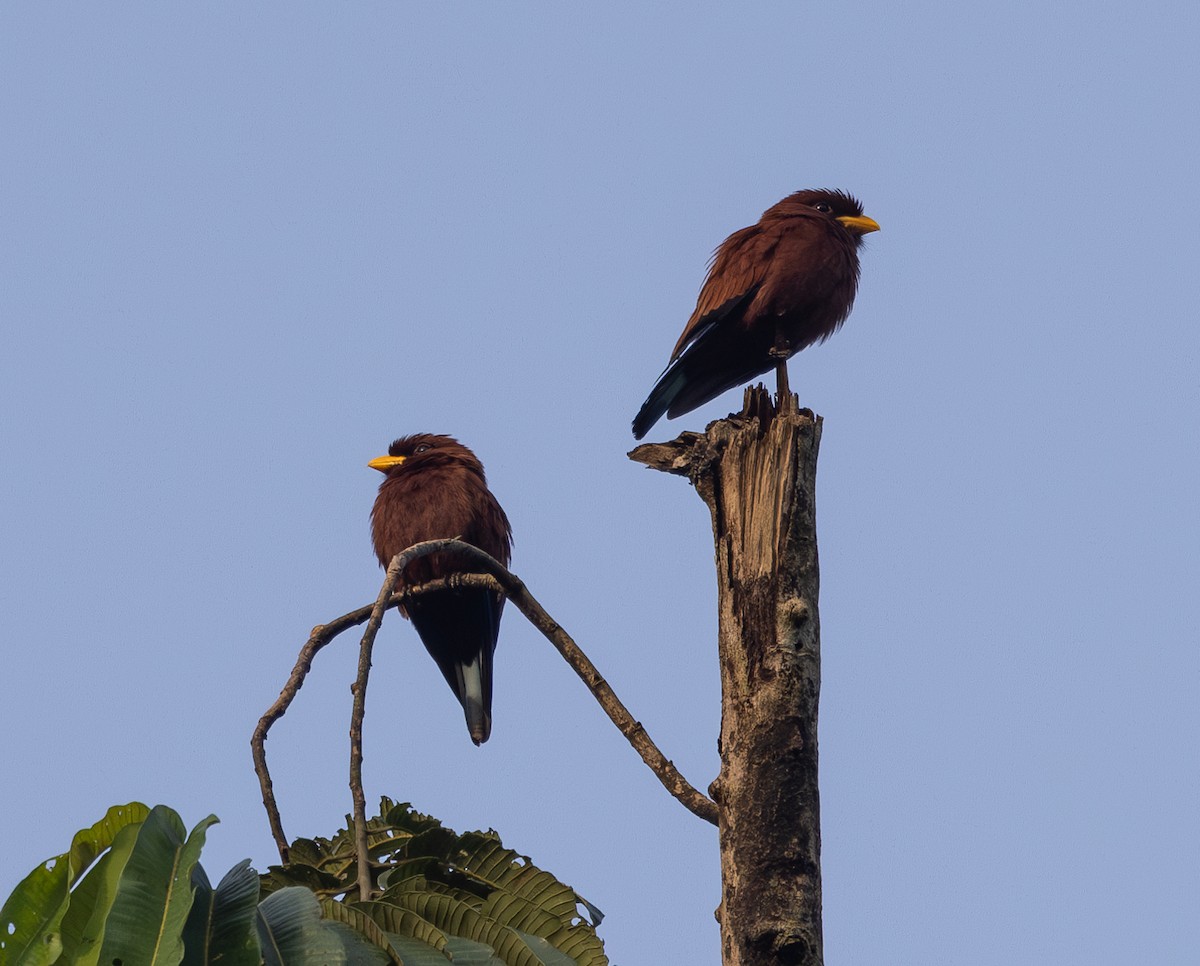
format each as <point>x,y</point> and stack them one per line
<point>756,471</point>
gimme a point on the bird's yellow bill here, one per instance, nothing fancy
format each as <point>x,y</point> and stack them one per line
<point>859,223</point>
<point>385,463</point>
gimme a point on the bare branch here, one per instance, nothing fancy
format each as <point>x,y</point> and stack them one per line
<point>496,577</point>
<point>382,603</point>
<point>321,635</point>
<point>516,591</point>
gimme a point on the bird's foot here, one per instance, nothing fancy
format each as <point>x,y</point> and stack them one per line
<point>785,402</point>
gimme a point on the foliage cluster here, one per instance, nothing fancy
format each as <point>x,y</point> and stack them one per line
<point>130,891</point>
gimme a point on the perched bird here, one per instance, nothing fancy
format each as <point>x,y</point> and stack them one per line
<point>435,488</point>
<point>772,289</point>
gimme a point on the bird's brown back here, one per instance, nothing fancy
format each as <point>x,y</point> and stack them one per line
<point>796,264</point>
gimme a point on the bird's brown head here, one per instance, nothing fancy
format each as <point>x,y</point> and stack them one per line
<point>837,206</point>
<point>412,454</point>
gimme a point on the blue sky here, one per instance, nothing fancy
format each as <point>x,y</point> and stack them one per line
<point>245,246</point>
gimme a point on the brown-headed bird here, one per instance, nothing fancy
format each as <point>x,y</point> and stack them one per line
<point>772,289</point>
<point>435,488</point>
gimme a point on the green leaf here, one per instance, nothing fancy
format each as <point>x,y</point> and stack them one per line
<point>293,933</point>
<point>289,928</point>
<point>304,851</point>
<point>356,949</point>
<point>468,953</point>
<point>546,952</point>
<point>87,915</point>
<point>298,874</point>
<point>31,918</point>
<point>154,893</point>
<point>413,952</point>
<point>579,944</point>
<point>396,921</point>
<point>483,856</point>
<point>362,924</point>
<point>400,869</point>
<point>446,895</point>
<point>458,919</point>
<point>90,842</point>
<point>405,818</point>
<point>512,910</point>
<point>220,927</point>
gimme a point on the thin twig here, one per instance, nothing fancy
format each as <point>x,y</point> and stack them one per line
<point>321,635</point>
<point>356,719</point>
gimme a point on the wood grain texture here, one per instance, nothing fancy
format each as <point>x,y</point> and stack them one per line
<point>757,473</point>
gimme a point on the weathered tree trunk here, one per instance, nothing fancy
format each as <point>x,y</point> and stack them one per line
<point>757,472</point>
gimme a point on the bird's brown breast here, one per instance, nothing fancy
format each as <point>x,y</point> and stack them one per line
<point>437,503</point>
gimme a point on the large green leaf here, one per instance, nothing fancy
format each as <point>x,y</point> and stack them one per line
<point>574,945</point>
<point>289,927</point>
<point>531,900</point>
<point>457,918</point>
<point>154,894</point>
<point>31,918</point>
<point>298,874</point>
<point>578,943</point>
<point>220,927</point>
<point>413,952</point>
<point>485,857</point>
<point>404,818</point>
<point>400,869</point>
<point>512,910</point>
<point>87,915</point>
<point>356,949</point>
<point>293,932</point>
<point>468,953</point>
<point>396,921</point>
<point>546,951</point>
<point>362,924</point>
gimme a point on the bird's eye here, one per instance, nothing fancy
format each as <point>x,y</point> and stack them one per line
<point>824,206</point>
<point>422,448</point>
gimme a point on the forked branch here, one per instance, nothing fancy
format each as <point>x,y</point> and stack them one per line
<point>493,576</point>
